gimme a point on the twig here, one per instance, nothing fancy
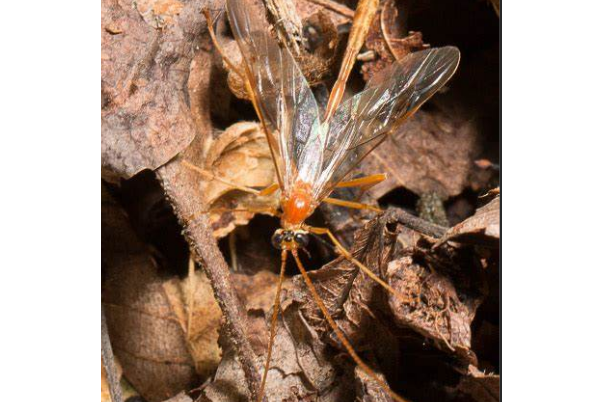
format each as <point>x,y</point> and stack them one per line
<point>108,360</point>
<point>415,223</point>
<point>336,7</point>
<point>179,187</point>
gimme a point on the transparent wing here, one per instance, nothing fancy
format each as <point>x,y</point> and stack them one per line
<point>362,122</point>
<point>281,96</point>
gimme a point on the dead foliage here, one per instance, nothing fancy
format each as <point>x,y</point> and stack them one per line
<point>199,331</point>
<point>389,39</point>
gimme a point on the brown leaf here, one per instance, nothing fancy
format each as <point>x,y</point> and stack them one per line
<point>301,366</point>
<point>158,13</point>
<point>145,116</point>
<point>432,305</point>
<point>145,334</point>
<point>368,389</point>
<point>220,155</point>
<point>347,293</point>
<point>199,317</point>
<point>389,39</point>
<point>316,60</point>
<point>239,155</point>
<point>438,300</point>
<point>432,152</point>
<point>336,11</point>
<point>480,386</point>
<point>181,397</point>
<point>482,228</point>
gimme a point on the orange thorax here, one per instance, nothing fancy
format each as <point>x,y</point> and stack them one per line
<point>297,206</point>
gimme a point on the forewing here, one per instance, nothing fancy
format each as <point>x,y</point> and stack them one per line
<point>362,122</point>
<point>281,95</point>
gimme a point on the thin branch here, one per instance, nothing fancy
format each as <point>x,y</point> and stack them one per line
<point>336,7</point>
<point>413,222</point>
<point>179,186</point>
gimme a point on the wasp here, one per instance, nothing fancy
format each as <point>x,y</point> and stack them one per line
<point>314,153</point>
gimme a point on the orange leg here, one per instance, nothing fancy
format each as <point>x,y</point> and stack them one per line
<point>345,253</point>
<point>272,327</point>
<point>269,190</point>
<point>339,333</point>
<point>229,62</point>
<point>351,204</point>
<point>256,210</point>
<point>259,210</point>
<point>364,182</point>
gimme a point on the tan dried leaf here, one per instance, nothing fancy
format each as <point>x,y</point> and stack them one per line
<point>240,155</point>
<point>105,394</point>
<point>199,316</point>
<point>301,365</point>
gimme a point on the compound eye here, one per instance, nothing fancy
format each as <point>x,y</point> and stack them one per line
<point>302,239</point>
<point>277,238</point>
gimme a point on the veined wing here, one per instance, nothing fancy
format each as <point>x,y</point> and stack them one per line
<point>281,96</point>
<point>362,122</point>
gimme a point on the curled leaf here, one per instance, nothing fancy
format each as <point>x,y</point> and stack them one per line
<point>482,228</point>
<point>223,181</point>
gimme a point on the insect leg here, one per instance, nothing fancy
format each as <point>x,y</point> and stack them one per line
<point>351,204</point>
<point>229,62</point>
<point>271,189</point>
<point>272,327</point>
<point>364,182</point>
<point>345,253</point>
<point>339,333</point>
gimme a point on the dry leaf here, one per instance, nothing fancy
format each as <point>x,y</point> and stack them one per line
<point>301,366</point>
<point>240,155</point>
<point>145,115</point>
<point>181,397</point>
<point>432,306</point>
<point>351,296</point>
<point>158,13</point>
<point>368,390</point>
<point>316,60</point>
<point>199,317</point>
<point>145,335</point>
<point>105,394</point>
<point>389,39</point>
<point>482,228</point>
<point>480,386</point>
<point>432,152</point>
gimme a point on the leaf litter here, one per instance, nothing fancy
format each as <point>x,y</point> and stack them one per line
<point>163,91</point>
